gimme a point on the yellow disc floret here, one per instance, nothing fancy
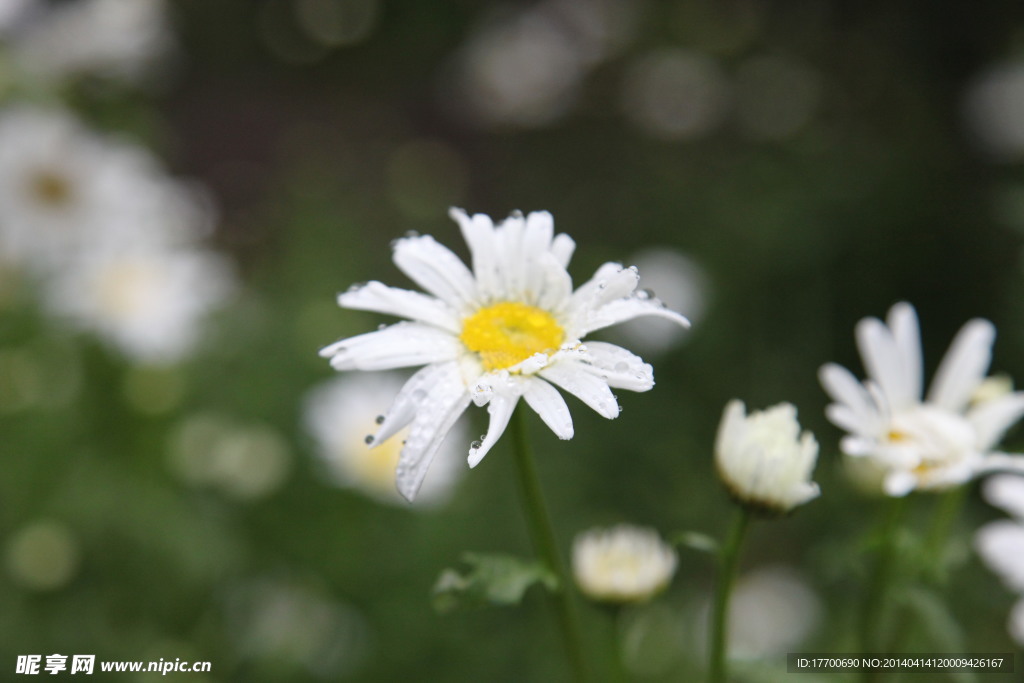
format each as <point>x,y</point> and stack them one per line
<point>508,333</point>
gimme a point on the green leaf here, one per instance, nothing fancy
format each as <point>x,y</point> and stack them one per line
<point>489,580</point>
<point>695,540</point>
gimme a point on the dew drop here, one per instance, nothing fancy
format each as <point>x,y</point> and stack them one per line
<point>418,395</point>
<point>369,439</point>
<point>475,446</point>
<point>381,326</point>
<point>355,287</point>
<point>379,419</point>
<point>621,366</point>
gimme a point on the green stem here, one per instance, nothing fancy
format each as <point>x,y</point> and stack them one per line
<point>543,538</point>
<point>947,510</point>
<point>878,587</point>
<point>727,577</point>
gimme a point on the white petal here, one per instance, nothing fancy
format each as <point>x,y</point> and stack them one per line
<point>554,286</point>
<point>582,298</point>
<point>1006,491</point>
<point>512,257</point>
<point>844,417</point>
<point>964,366</point>
<point>411,396</point>
<point>843,387</point>
<point>1001,545</point>
<point>562,248</point>
<point>899,483</point>
<point>620,368</point>
<point>907,335</point>
<point>478,232</point>
<point>540,227</point>
<point>622,310</point>
<point>550,405</point>
<point>589,388</point>
<point>992,418</point>
<point>500,410</point>
<point>884,363</point>
<point>1000,462</point>
<point>375,296</point>
<point>618,286</point>
<point>436,269</point>
<point>434,418</point>
<point>398,346</point>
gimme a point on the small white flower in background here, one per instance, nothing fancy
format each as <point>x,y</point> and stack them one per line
<point>763,459</point>
<point>511,328</point>
<point>772,611</point>
<point>340,413</point>
<point>931,444</point>
<point>65,190</point>
<point>622,564</point>
<point>1001,543</point>
<point>112,39</point>
<point>149,304</point>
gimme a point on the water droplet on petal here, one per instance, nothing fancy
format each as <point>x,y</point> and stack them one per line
<point>355,287</point>
<point>475,446</point>
<point>418,395</point>
<point>369,439</point>
<point>379,419</point>
<point>621,366</point>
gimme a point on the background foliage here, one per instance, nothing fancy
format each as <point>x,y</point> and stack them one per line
<point>818,160</point>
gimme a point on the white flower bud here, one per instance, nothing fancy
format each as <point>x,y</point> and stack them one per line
<point>622,564</point>
<point>764,460</point>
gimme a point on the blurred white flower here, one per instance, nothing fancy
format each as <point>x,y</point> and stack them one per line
<point>1001,543</point>
<point>340,413</point>
<point>674,94</point>
<point>994,107</point>
<point>245,461</point>
<point>622,564</point>
<point>43,555</point>
<point>511,328</point>
<point>116,39</point>
<point>64,189</point>
<point>763,459</point>
<point>148,303</point>
<point>933,444</point>
<point>772,611</point>
<point>276,621</point>
<point>525,68</point>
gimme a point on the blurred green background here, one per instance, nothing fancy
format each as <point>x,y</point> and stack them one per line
<point>815,162</point>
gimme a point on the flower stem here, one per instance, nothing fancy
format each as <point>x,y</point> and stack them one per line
<point>543,537</point>
<point>878,587</point>
<point>727,577</point>
<point>947,510</point>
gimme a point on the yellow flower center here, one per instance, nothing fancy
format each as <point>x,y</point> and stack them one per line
<point>51,188</point>
<point>508,333</point>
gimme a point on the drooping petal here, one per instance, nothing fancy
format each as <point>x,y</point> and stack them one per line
<point>411,396</point>
<point>884,363</point>
<point>589,388</point>
<point>500,410</point>
<point>621,310</point>
<point>397,346</point>
<point>621,369</point>
<point>435,416</point>
<point>404,303</point>
<point>547,402</point>
<point>436,269</point>
<point>964,366</point>
<point>992,418</point>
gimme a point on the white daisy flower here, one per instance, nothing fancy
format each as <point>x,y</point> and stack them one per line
<point>931,444</point>
<point>1001,543</point>
<point>622,564</point>
<point>511,328</point>
<point>340,413</point>
<point>113,39</point>
<point>147,303</point>
<point>64,189</point>
<point>763,459</point>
